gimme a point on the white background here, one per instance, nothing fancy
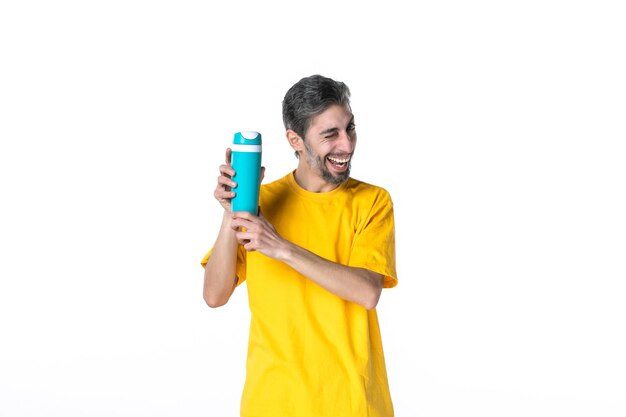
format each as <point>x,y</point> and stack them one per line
<point>498,127</point>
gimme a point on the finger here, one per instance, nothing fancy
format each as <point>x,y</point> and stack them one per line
<point>241,223</point>
<point>227,170</point>
<point>243,243</point>
<point>226,181</point>
<point>243,237</point>
<point>244,215</point>
<point>249,247</point>
<point>224,195</point>
<point>262,173</point>
<point>228,156</point>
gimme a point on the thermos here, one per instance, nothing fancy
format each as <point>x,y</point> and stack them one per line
<point>246,161</point>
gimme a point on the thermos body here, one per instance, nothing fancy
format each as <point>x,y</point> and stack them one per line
<point>246,161</point>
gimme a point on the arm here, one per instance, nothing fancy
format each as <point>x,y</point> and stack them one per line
<point>358,285</point>
<point>220,277</point>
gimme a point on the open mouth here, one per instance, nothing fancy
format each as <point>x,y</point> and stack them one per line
<point>339,163</point>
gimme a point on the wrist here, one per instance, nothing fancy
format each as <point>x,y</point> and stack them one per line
<point>286,252</point>
<point>227,219</point>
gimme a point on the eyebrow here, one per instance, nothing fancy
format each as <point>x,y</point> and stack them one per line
<point>335,129</point>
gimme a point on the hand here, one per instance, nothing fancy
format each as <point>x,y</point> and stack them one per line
<point>223,193</point>
<point>259,234</point>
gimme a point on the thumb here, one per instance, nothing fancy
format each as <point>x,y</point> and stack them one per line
<point>262,173</point>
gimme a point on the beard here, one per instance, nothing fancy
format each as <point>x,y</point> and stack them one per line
<point>318,163</point>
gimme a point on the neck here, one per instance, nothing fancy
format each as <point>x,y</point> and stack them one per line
<point>310,181</point>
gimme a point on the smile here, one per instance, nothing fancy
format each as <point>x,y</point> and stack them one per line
<point>338,161</point>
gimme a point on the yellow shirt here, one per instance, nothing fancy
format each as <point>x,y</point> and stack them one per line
<point>311,353</point>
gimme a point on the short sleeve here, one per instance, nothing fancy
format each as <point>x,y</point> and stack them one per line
<point>241,263</point>
<point>374,245</point>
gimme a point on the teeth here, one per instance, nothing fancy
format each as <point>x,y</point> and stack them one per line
<point>339,160</point>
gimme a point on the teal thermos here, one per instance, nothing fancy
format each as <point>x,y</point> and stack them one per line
<point>246,161</point>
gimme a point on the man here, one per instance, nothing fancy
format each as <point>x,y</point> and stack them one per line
<point>316,259</point>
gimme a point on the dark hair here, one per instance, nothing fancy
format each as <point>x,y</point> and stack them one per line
<point>309,97</point>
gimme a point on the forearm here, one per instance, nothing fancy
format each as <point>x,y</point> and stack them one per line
<point>220,271</point>
<point>358,285</point>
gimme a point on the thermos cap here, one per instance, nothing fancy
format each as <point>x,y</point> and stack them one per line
<point>247,137</point>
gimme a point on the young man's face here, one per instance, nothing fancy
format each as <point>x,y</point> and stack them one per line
<point>329,144</point>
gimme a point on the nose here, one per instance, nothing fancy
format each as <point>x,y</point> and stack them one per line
<point>347,141</point>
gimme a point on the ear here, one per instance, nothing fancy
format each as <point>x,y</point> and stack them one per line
<point>295,140</point>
